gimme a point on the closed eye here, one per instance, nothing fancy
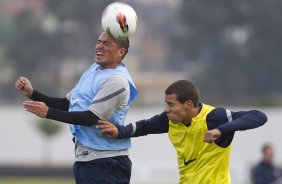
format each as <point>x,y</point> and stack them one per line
<point>169,104</point>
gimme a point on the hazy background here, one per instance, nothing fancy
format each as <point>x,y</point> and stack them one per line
<point>230,49</point>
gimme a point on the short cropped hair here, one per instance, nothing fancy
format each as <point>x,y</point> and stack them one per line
<point>185,90</point>
<point>122,43</point>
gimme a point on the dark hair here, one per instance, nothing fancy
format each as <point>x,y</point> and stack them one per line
<point>121,43</point>
<point>184,90</point>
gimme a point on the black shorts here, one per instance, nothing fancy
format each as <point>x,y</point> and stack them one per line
<point>113,170</point>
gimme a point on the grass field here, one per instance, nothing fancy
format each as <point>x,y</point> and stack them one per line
<point>36,181</point>
<point>50,181</point>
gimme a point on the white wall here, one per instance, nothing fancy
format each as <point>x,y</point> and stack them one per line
<point>153,157</point>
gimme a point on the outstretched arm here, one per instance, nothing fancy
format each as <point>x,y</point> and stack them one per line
<point>155,125</point>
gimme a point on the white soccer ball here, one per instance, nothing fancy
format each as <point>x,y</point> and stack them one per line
<point>120,20</point>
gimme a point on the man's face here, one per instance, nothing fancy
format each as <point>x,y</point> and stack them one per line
<point>108,55</point>
<point>269,154</point>
<point>176,111</point>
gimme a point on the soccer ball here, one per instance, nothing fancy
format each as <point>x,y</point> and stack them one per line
<point>120,20</point>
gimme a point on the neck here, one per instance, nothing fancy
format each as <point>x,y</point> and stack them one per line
<point>187,123</point>
<point>194,113</point>
<point>101,67</point>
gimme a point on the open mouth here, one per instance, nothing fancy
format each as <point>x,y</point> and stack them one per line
<point>99,53</point>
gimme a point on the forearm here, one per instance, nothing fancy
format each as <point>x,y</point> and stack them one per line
<point>85,118</point>
<point>52,102</point>
<point>156,125</point>
<point>251,119</point>
<point>124,131</point>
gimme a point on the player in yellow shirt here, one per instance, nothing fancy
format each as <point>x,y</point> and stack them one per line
<point>201,134</point>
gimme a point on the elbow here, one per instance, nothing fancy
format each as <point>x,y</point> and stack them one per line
<point>85,123</point>
<point>89,124</point>
<point>262,117</point>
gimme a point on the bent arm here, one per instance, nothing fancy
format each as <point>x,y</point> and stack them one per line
<point>52,102</point>
<point>243,120</point>
<point>155,125</point>
<point>228,122</point>
<point>111,95</point>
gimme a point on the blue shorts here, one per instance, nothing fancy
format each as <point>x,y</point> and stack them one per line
<point>113,170</point>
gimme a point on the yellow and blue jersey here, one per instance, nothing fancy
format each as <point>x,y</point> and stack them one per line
<point>199,162</point>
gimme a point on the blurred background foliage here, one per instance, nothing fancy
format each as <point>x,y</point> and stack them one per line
<point>48,128</point>
<point>230,49</point>
<point>239,42</point>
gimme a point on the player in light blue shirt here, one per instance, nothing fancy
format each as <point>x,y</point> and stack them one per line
<point>105,90</point>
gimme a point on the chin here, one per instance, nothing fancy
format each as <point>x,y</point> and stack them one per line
<point>98,61</point>
<point>101,63</point>
<point>174,122</point>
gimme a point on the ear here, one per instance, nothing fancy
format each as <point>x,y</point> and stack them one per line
<point>121,52</point>
<point>188,104</point>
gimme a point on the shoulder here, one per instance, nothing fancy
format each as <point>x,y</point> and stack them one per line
<point>258,167</point>
<point>219,116</point>
<point>117,80</point>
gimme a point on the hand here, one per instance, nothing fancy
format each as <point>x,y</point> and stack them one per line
<point>38,108</point>
<point>24,86</point>
<point>212,135</point>
<point>108,129</point>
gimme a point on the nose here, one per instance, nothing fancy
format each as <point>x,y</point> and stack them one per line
<point>167,109</point>
<point>99,45</point>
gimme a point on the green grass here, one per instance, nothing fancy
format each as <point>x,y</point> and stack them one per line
<point>36,181</point>
<point>50,181</point>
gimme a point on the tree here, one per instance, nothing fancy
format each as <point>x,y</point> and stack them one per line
<point>49,129</point>
<point>237,43</point>
<point>37,49</point>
